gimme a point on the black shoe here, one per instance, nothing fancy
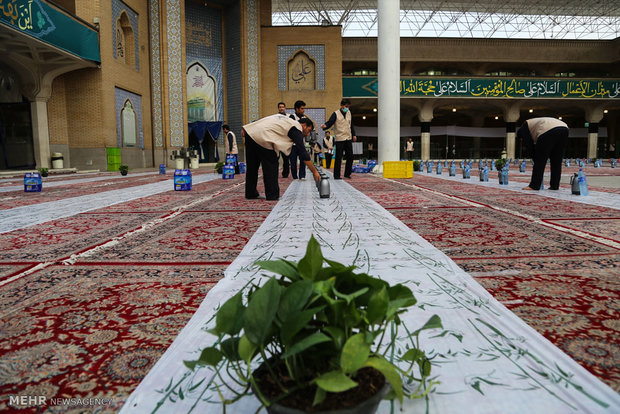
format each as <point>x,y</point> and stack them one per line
<point>258,197</point>
<point>554,188</point>
<point>273,199</point>
<point>337,178</point>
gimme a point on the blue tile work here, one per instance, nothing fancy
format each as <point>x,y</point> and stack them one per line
<point>232,44</point>
<point>117,8</point>
<point>176,72</point>
<point>203,34</point>
<point>252,27</point>
<point>318,117</point>
<point>316,52</point>
<point>120,97</point>
<point>158,136</point>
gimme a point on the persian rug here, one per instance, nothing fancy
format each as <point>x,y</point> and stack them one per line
<point>92,327</point>
<point>58,239</point>
<point>92,332</point>
<point>563,285</point>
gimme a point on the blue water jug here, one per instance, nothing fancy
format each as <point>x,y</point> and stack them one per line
<point>522,167</point>
<point>503,176</point>
<point>466,172</point>
<point>493,165</point>
<point>583,185</point>
<point>452,170</point>
<point>32,182</point>
<point>429,167</point>
<point>439,168</point>
<point>182,180</point>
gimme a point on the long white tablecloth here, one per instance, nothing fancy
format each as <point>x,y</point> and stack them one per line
<point>487,359</point>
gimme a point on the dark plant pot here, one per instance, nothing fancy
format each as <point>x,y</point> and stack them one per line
<point>44,174</point>
<point>123,172</point>
<point>368,406</point>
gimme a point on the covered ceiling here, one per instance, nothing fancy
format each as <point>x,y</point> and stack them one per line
<point>523,19</point>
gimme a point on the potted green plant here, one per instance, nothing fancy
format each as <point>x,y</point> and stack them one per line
<point>219,167</point>
<point>317,337</point>
<point>124,169</point>
<point>500,163</point>
<point>416,165</point>
<point>43,171</point>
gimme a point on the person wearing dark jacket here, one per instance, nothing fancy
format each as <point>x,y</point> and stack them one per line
<point>264,139</point>
<point>344,136</point>
<point>300,109</point>
<point>544,138</point>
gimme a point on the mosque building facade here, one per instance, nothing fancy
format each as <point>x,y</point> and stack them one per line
<point>131,81</point>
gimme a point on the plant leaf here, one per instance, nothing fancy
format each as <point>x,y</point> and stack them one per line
<point>295,323</point>
<point>281,267</point>
<point>319,396</point>
<point>294,298</point>
<point>337,335</point>
<point>378,306</point>
<point>229,319</point>
<point>261,312</point>
<point>312,262</point>
<point>307,342</point>
<point>246,349</point>
<point>354,353</point>
<point>209,356</point>
<point>230,349</point>
<point>335,381</point>
<point>389,372</point>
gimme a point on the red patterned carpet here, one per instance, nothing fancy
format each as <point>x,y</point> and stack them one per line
<point>563,285</point>
<point>93,327</point>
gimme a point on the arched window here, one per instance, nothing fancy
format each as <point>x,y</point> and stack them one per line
<point>301,72</point>
<point>201,94</point>
<point>125,46</point>
<point>129,126</point>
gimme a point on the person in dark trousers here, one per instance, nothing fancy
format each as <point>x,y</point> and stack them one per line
<point>328,149</point>
<point>300,109</point>
<point>344,136</point>
<point>286,168</point>
<point>264,139</point>
<point>544,138</point>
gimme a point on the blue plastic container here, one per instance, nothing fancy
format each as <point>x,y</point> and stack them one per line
<point>452,170</point>
<point>32,182</point>
<point>242,168</point>
<point>182,180</point>
<point>228,172</point>
<point>231,159</point>
<point>466,172</point>
<point>162,169</point>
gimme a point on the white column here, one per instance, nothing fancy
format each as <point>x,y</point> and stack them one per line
<point>592,140</point>
<point>388,54</point>
<point>40,132</point>
<point>510,145</point>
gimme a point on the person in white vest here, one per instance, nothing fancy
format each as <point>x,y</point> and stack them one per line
<point>545,138</point>
<point>286,168</point>
<point>264,139</point>
<point>344,136</point>
<point>328,148</point>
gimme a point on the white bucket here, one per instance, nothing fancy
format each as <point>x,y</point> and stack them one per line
<point>179,163</point>
<point>193,163</point>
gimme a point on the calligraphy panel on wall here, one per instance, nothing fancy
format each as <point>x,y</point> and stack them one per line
<point>301,72</point>
<point>288,53</point>
<point>489,88</point>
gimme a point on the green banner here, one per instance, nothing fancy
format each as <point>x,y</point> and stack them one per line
<point>355,86</point>
<point>49,25</point>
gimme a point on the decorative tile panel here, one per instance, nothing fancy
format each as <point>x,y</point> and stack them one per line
<point>204,45</point>
<point>117,8</point>
<point>316,52</point>
<point>251,16</point>
<point>156,74</point>
<point>176,72</point>
<point>120,97</point>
